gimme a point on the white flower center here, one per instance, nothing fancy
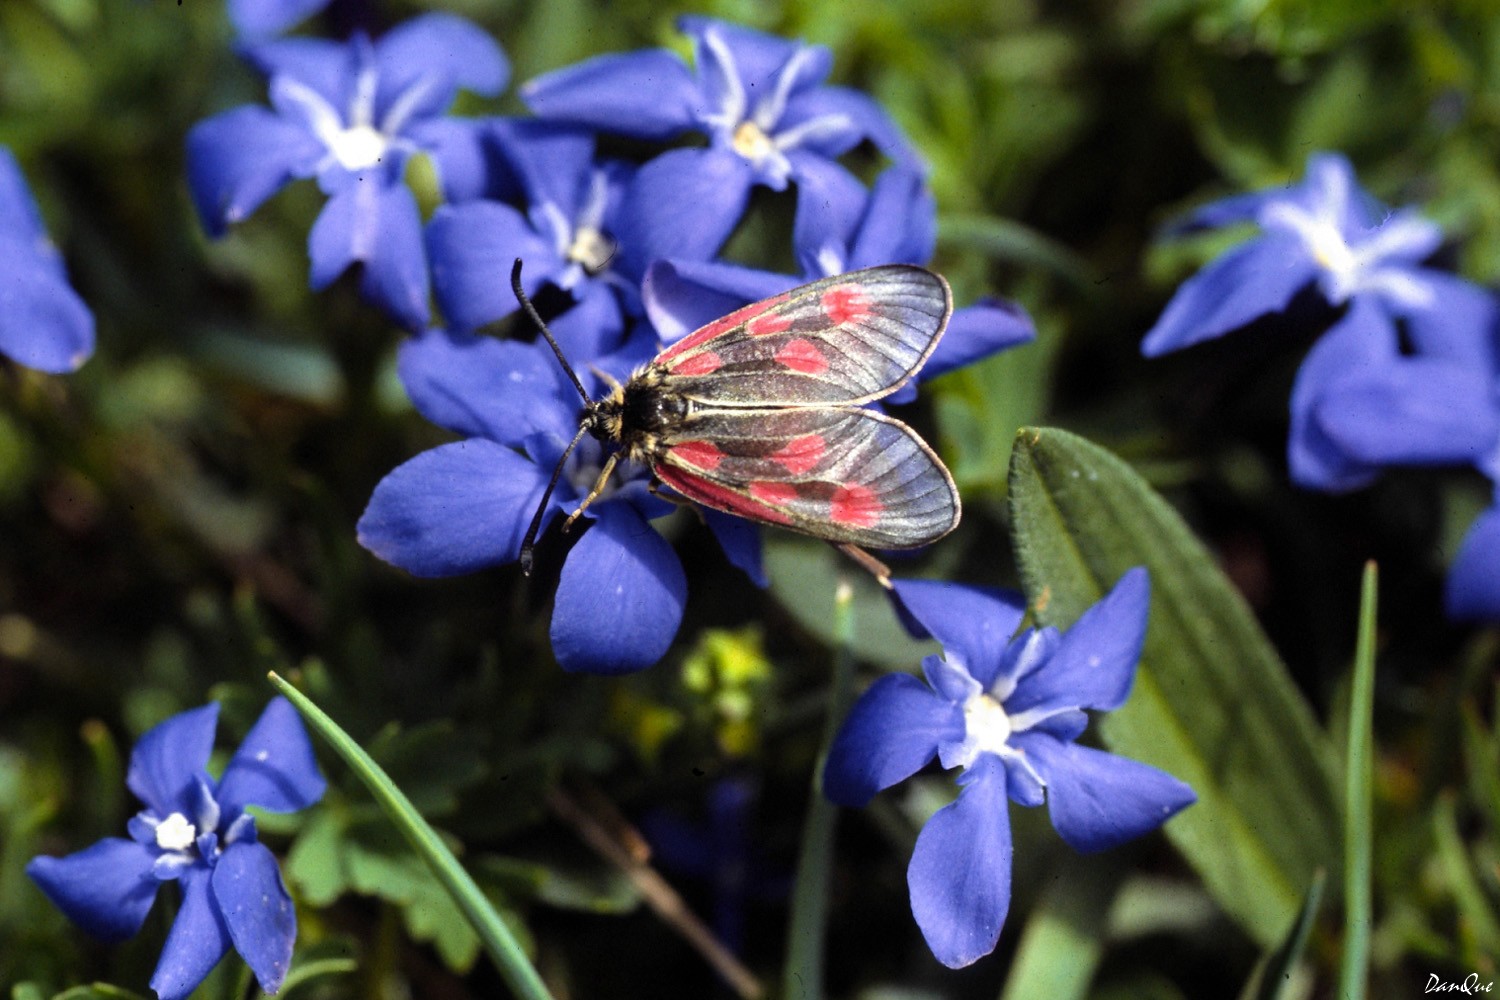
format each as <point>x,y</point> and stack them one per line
<point>175,833</point>
<point>986,726</point>
<point>751,142</point>
<point>591,249</point>
<point>358,147</point>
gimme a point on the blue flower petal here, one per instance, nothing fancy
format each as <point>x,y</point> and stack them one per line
<point>682,295</point>
<point>1359,345</point>
<point>1460,323</point>
<point>684,204</point>
<point>22,218</point>
<point>620,597</point>
<point>900,223</point>
<point>1473,589</point>
<point>43,323</point>
<point>959,874</point>
<point>861,117</point>
<point>432,47</point>
<point>741,541</point>
<point>455,509</point>
<point>257,909</point>
<point>238,159</point>
<point>1414,411</point>
<point>891,733</point>
<point>552,161</point>
<point>473,247</point>
<point>168,760</point>
<point>274,768</point>
<point>987,327</point>
<point>106,888</point>
<point>379,225</point>
<point>503,390</point>
<point>1098,800</point>
<point>196,942</point>
<point>831,204</point>
<point>327,67</point>
<point>591,330</point>
<point>255,20</point>
<point>1094,664</point>
<point>731,57</point>
<point>1246,283</point>
<point>648,95</point>
<point>1229,211</point>
<point>972,623</point>
<point>463,152</point>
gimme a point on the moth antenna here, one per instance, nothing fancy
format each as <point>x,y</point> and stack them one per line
<point>529,542</point>
<point>609,467</point>
<point>515,283</point>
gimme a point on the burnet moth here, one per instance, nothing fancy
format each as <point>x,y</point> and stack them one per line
<point>761,414</point>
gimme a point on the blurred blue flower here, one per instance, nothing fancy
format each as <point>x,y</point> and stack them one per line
<point>1008,712</point>
<point>839,228</point>
<point>196,831</point>
<point>762,103</point>
<point>258,20</point>
<point>463,506</point>
<point>351,114</point>
<point>1386,384</point>
<point>43,323</point>
<point>570,232</point>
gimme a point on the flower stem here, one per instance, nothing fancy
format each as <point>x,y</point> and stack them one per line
<point>1359,777</point>
<point>496,937</point>
<point>803,976</point>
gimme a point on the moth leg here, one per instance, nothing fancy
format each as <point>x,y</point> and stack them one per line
<point>655,489</point>
<point>604,474</point>
<point>876,568</point>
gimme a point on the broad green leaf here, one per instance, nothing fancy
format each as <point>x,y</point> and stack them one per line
<point>1212,702</point>
<point>1064,936</point>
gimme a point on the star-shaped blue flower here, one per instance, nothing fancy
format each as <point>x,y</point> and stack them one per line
<point>569,228</point>
<point>466,505</point>
<point>1007,712</point>
<point>351,114</point>
<point>760,100</point>
<point>839,227</point>
<point>195,831</point>
<point>43,323</point>
<point>1364,398</point>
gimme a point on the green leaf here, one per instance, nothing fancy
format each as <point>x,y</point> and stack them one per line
<point>1064,936</point>
<point>1273,973</point>
<point>98,991</point>
<point>804,578</point>
<point>495,934</point>
<point>1212,703</point>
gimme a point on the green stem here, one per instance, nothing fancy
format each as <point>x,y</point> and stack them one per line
<point>496,937</point>
<point>803,978</point>
<point>1358,792</point>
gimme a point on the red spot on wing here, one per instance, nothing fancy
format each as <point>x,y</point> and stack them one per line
<point>773,493</point>
<point>801,454</point>
<point>856,505</point>
<point>802,356</point>
<point>769,323</point>
<point>702,454</point>
<point>709,331</point>
<point>713,495</point>
<point>845,303</point>
<point>697,364</point>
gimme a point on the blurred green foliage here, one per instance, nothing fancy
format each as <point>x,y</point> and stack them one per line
<point>177,518</point>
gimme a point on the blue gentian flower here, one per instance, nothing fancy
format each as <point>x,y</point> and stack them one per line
<point>258,20</point>
<point>43,323</point>
<point>196,831</point>
<point>1328,235</point>
<point>351,114</point>
<point>1008,712</point>
<point>570,232</point>
<point>761,102</point>
<point>466,505</point>
<point>839,228</point>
